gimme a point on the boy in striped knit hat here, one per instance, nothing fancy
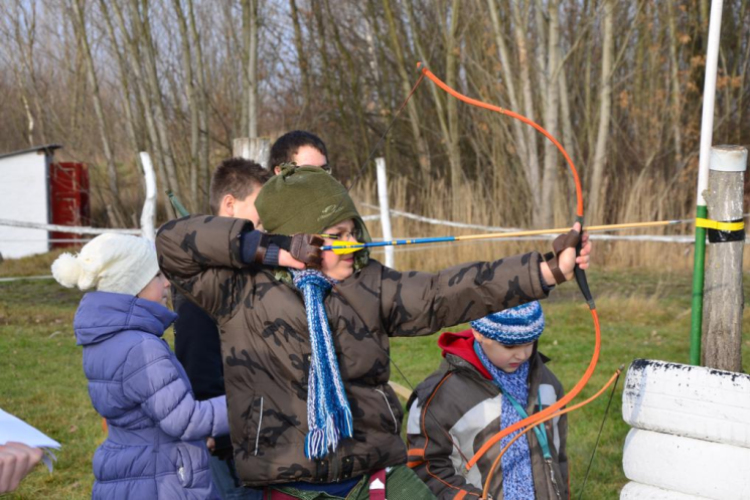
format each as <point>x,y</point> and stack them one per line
<point>492,377</point>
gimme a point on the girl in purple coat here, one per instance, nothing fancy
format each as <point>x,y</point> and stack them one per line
<point>156,446</point>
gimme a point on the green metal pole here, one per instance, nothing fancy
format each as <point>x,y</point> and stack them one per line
<point>181,211</point>
<point>696,324</point>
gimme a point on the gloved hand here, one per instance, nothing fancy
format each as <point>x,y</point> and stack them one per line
<point>306,249</point>
<point>297,251</point>
<point>559,263</point>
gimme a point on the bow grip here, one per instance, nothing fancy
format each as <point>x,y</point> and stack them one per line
<point>580,274</point>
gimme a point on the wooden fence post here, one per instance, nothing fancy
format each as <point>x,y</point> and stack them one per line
<point>723,295</point>
<point>257,149</point>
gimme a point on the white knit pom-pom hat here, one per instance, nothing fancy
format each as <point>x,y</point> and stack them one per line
<point>118,263</point>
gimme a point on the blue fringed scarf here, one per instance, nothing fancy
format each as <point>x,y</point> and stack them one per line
<point>518,481</point>
<point>328,414</point>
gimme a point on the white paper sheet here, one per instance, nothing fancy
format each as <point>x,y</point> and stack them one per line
<point>14,429</point>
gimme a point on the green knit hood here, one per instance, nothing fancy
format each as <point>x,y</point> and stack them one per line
<point>308,200</point>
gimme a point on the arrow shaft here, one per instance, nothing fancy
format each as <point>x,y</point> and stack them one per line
<point>487,236</point>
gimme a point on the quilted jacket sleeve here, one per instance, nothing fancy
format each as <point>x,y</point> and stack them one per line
<point>430,449</point>
<point>151,379</point>
<point>414,303</point>
<point>200,255</point>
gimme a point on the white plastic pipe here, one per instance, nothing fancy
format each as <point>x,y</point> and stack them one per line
<point>709,97</point>
<point>385,215</point>
<point>148,215</point>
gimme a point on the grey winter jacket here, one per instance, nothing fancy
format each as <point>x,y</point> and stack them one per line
<point>457,409</point>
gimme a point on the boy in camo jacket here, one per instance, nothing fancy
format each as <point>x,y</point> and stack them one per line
<point>306,354</point>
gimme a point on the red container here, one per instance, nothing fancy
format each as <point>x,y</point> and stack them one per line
<point>69,193</point>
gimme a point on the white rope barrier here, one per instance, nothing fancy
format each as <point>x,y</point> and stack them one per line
<point>682,239</point>
<point>68,229</point>
<point>437,222</point>
<point>24,278</point>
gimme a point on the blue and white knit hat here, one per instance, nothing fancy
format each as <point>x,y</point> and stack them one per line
<point>515,326</point>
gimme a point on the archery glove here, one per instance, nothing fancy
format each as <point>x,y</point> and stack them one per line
<point>263,248</point>
<point>560,244</point>
<point>306,249</point>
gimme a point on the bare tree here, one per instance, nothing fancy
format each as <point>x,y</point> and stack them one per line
<point>675,88</point>
<point>525,68</point>
<point>299,45</point>
<point>551,115</point>
<point>190,92</point>
<point>250,34</point>
<point>132,115</point>
<point>132,44</point>
<point>406,84</point>
<point>597,188</point>
<point>79,25</point>
<point>452,52</point>
<point>203,109</point>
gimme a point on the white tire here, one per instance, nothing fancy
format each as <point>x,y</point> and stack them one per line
<point>638,491</point>
<point>684,400</point>
<point>686,465</point>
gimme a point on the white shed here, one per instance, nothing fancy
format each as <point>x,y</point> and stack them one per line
<point>25,196</point>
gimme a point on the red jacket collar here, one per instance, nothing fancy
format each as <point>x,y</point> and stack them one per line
<point>461,344</point>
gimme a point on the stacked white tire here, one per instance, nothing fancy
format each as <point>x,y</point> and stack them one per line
<point>691,433</point>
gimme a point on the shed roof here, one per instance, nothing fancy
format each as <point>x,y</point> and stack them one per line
<point>47,148</point>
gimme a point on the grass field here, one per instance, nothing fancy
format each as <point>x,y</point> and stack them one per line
<point>643,316</point>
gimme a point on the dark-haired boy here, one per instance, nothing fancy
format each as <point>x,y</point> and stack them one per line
<point>300,147</point>
<point>235,185</point>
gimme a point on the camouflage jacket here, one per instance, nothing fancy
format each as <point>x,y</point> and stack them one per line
<point>266,351</point>
<point>457,409</point>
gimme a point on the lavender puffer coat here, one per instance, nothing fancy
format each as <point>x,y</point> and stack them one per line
<point>157,430</point>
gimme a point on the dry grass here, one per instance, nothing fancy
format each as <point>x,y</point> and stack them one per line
<point>480,207</point>
<point>483,203</point>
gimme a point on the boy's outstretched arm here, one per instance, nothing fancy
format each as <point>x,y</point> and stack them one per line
<point>420,303</point>
<point>414,303</point>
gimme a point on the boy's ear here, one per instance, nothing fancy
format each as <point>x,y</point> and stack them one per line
<point>226,206</point>
<point>477,336</point>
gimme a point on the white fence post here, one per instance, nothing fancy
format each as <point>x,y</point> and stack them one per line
<point>385,215</point>
<point>257,149</point>
<point>148,215</point>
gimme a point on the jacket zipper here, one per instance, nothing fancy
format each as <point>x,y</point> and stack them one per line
<point>393,415</point>
<point>552,477</point>
<point>260,424</point>
<point>335,466</point>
